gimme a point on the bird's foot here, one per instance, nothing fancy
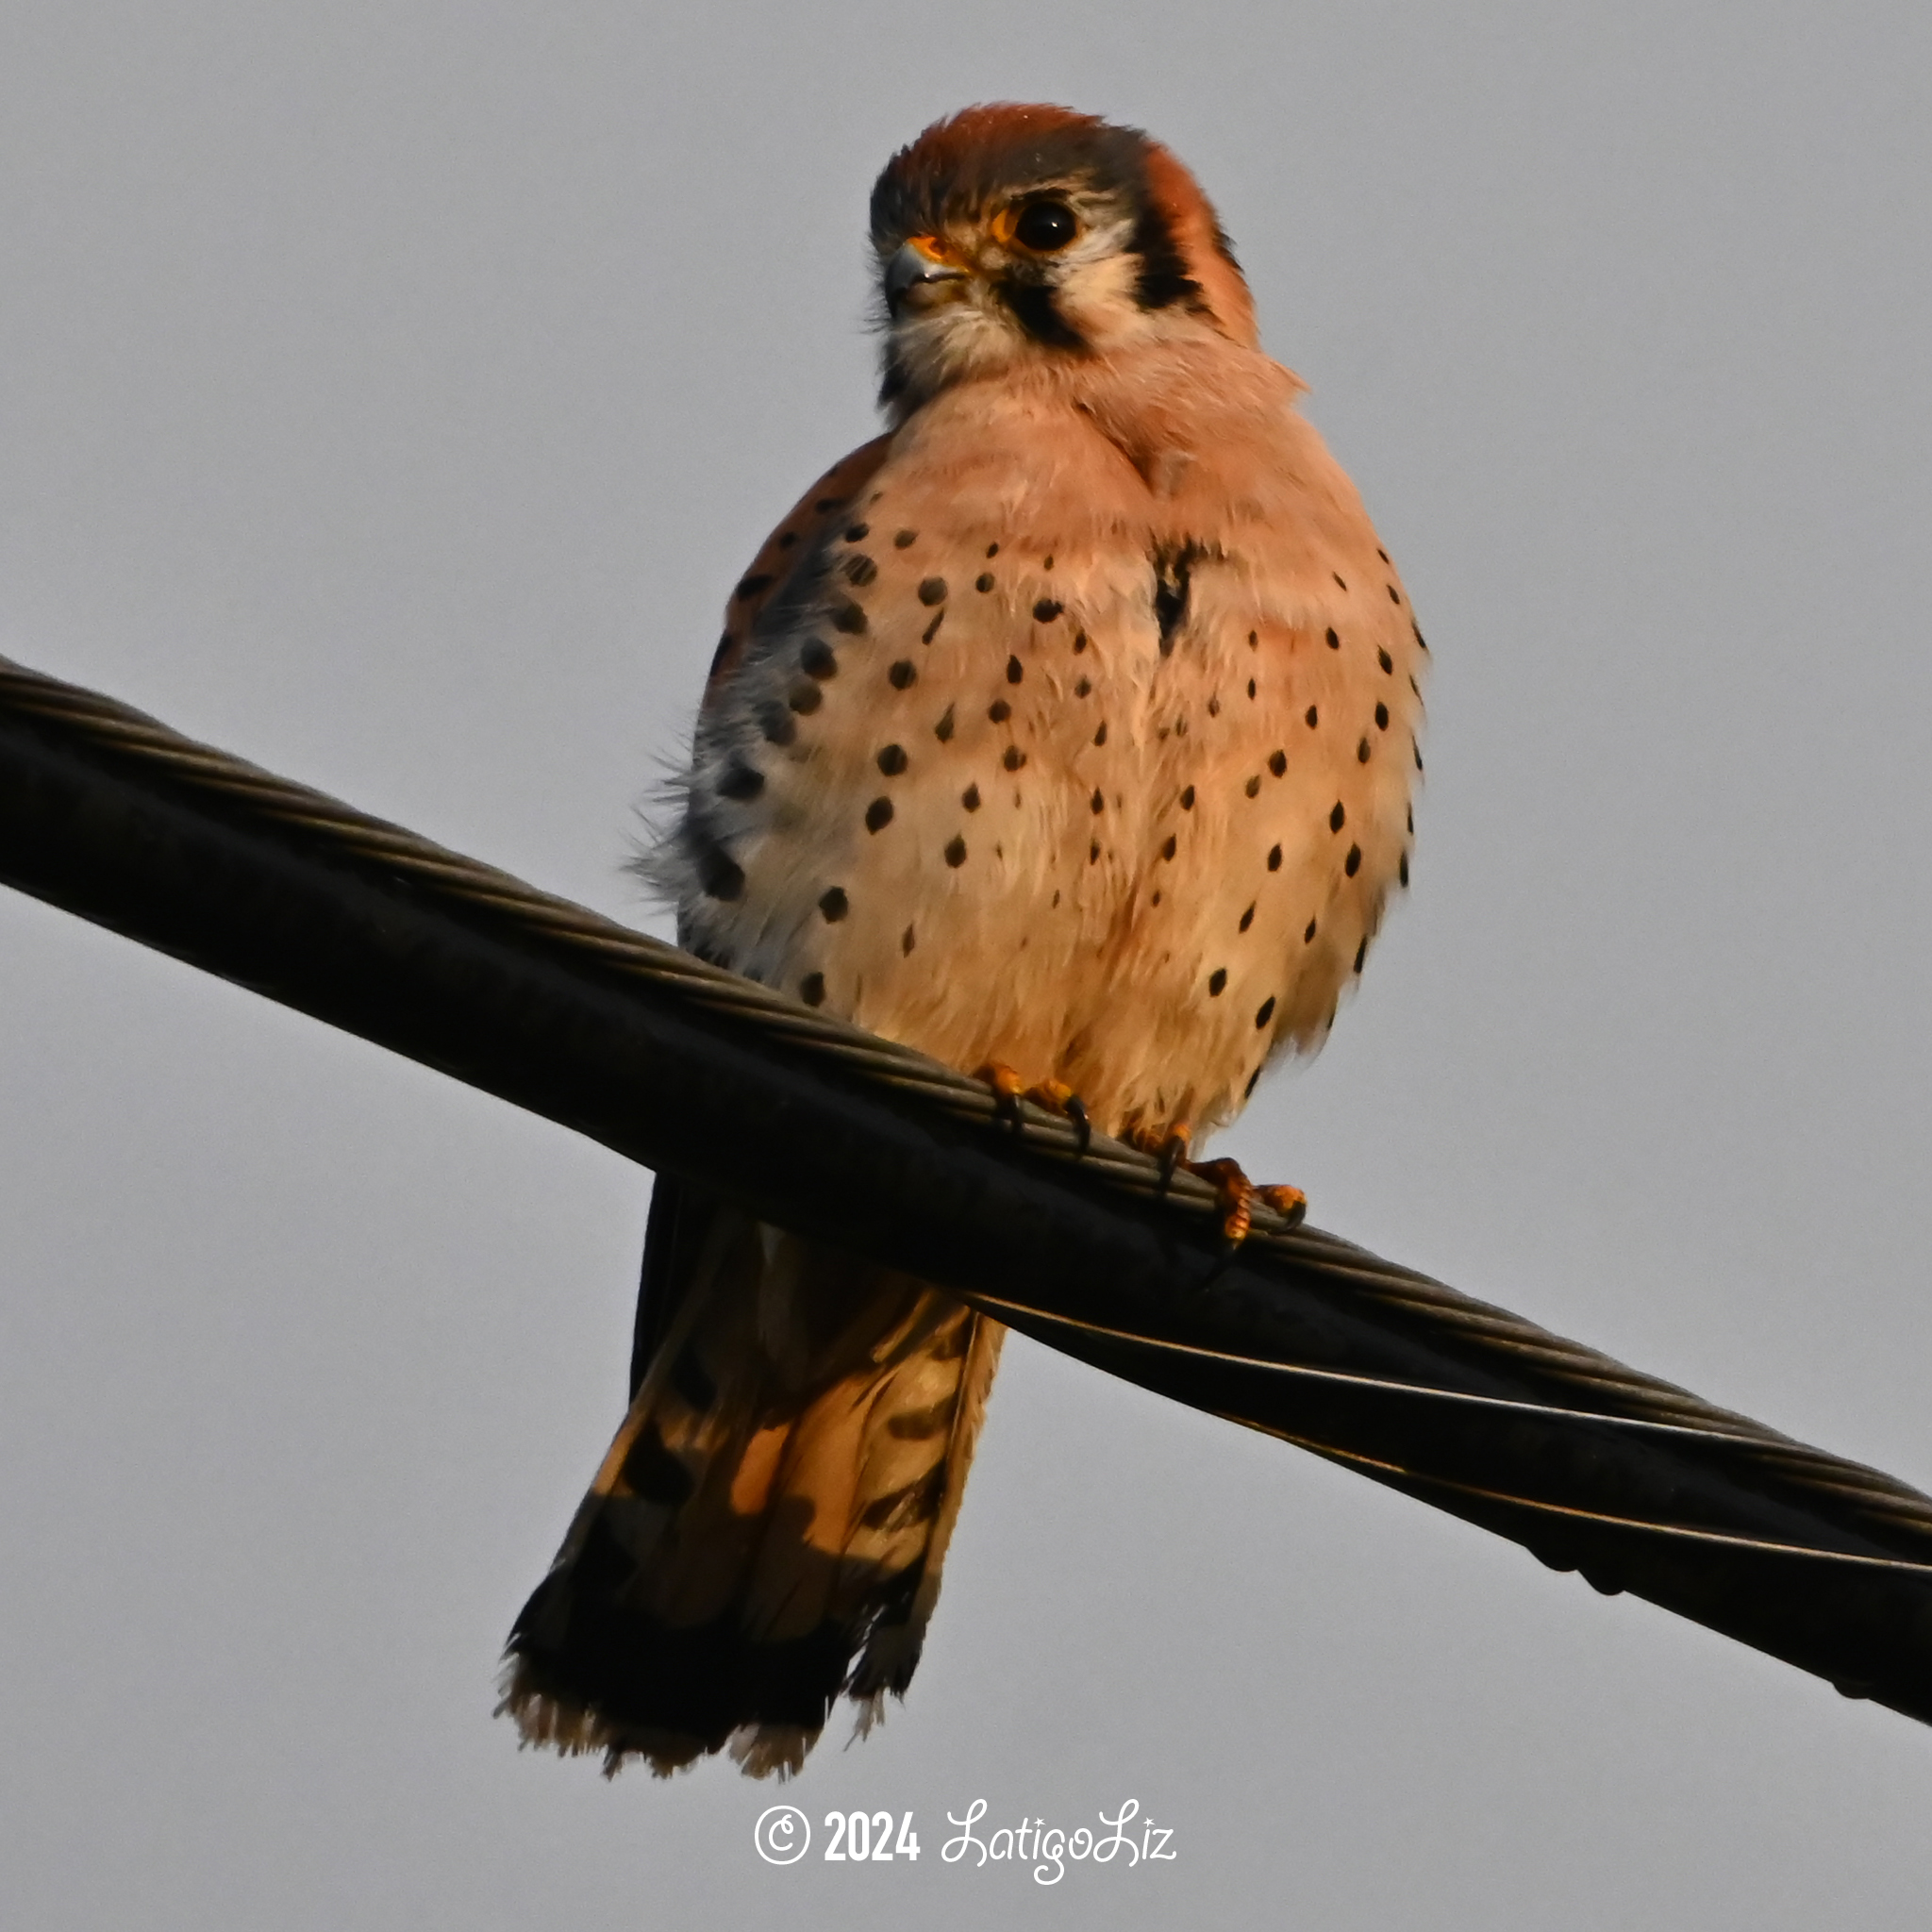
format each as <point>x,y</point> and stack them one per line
<point>1055,1097</point>
<point>1236,1195</point>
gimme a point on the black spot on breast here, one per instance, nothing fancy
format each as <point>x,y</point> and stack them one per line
<point>811,989</point>
<point>1045,610</point>
<point>1217,982</point>
<point>1187,799</point>
<point>901,674</point>
<point>848,617</point>
<point>818,659</point>
<point>786,539</point>
<point>932,630</point>
<point>861,571</point>
<point>719,875</point>
<point>970,798</point>
<point>1014,758</point>
<point>833,904</point>
<point>1275,858</point>
<point>1248,918</point>
<point>749,587</point>
<point>1100,736</point>
<point>1097,802</point>
<point>1251,686</point>
<point>1381,717</point>
<point>905,941</point>
<point>1381,553</point>
<point>1214,707</point>
<point>1168,846</point>
<point>1266,1012</point>
<point>1337,576</point>
<point>1417,634</point>
<point>1015,670</point>
<point>777,724</point>
<point>932,590</point>
<point>825,504</point>
<point>999,711</point>
<point>905,540</point>
<point>956,852</point>
<point>653,1474</point>
<point>1247,1092</point>
<point>1384,660</point>
<point>983,582</point>
<point>993,549</point>
<point>891,760</point>
<point>1361,752</point>
<point>1418,757</point>
<point>1253,787</point>
<point>943,729</point>
<point>1338,818</point>
<point>740,782</point>
<point>1093,851</point>
<point>1394,595</point>
<point>1334,641</point>
<point>1253,640</point>
<point>1361,953</point>
<point>878,814</point>
<point>1277,762</point>
<point>859,533</point>
<point>1353,863</point>
<point>1309,937</point>
<point>1080,642</point>
<point>1313,717</point>
<point>1401,869</point>
<point>1081,688</point>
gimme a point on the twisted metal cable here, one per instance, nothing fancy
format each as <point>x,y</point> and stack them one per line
<point>114,815</point>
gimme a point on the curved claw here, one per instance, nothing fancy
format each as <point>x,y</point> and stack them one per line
<point>1290,1203</point>
<point>1056,1096</point>
<point>1008,1090</point>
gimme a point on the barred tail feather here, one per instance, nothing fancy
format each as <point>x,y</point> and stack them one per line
<point>767,1530</point>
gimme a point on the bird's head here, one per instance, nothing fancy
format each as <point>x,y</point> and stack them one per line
<point>1013,234</point>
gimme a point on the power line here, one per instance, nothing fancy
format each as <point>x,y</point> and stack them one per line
<point>818,1126</point>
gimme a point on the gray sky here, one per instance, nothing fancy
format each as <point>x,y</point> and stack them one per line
<point>392,394</point>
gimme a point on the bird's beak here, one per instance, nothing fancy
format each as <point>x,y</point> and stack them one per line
<point>919,272</point>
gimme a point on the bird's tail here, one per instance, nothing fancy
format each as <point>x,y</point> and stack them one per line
<point>767,1528</point>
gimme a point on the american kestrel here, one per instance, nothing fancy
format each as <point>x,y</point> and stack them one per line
<point>1067,730</point>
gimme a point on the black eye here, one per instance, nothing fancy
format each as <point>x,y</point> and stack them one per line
<point>1044,226</point>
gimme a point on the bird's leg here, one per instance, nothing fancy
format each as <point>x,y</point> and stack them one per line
<point>1236,1194</point>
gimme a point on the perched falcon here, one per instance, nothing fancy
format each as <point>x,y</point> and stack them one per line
<point>1068,730</point>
